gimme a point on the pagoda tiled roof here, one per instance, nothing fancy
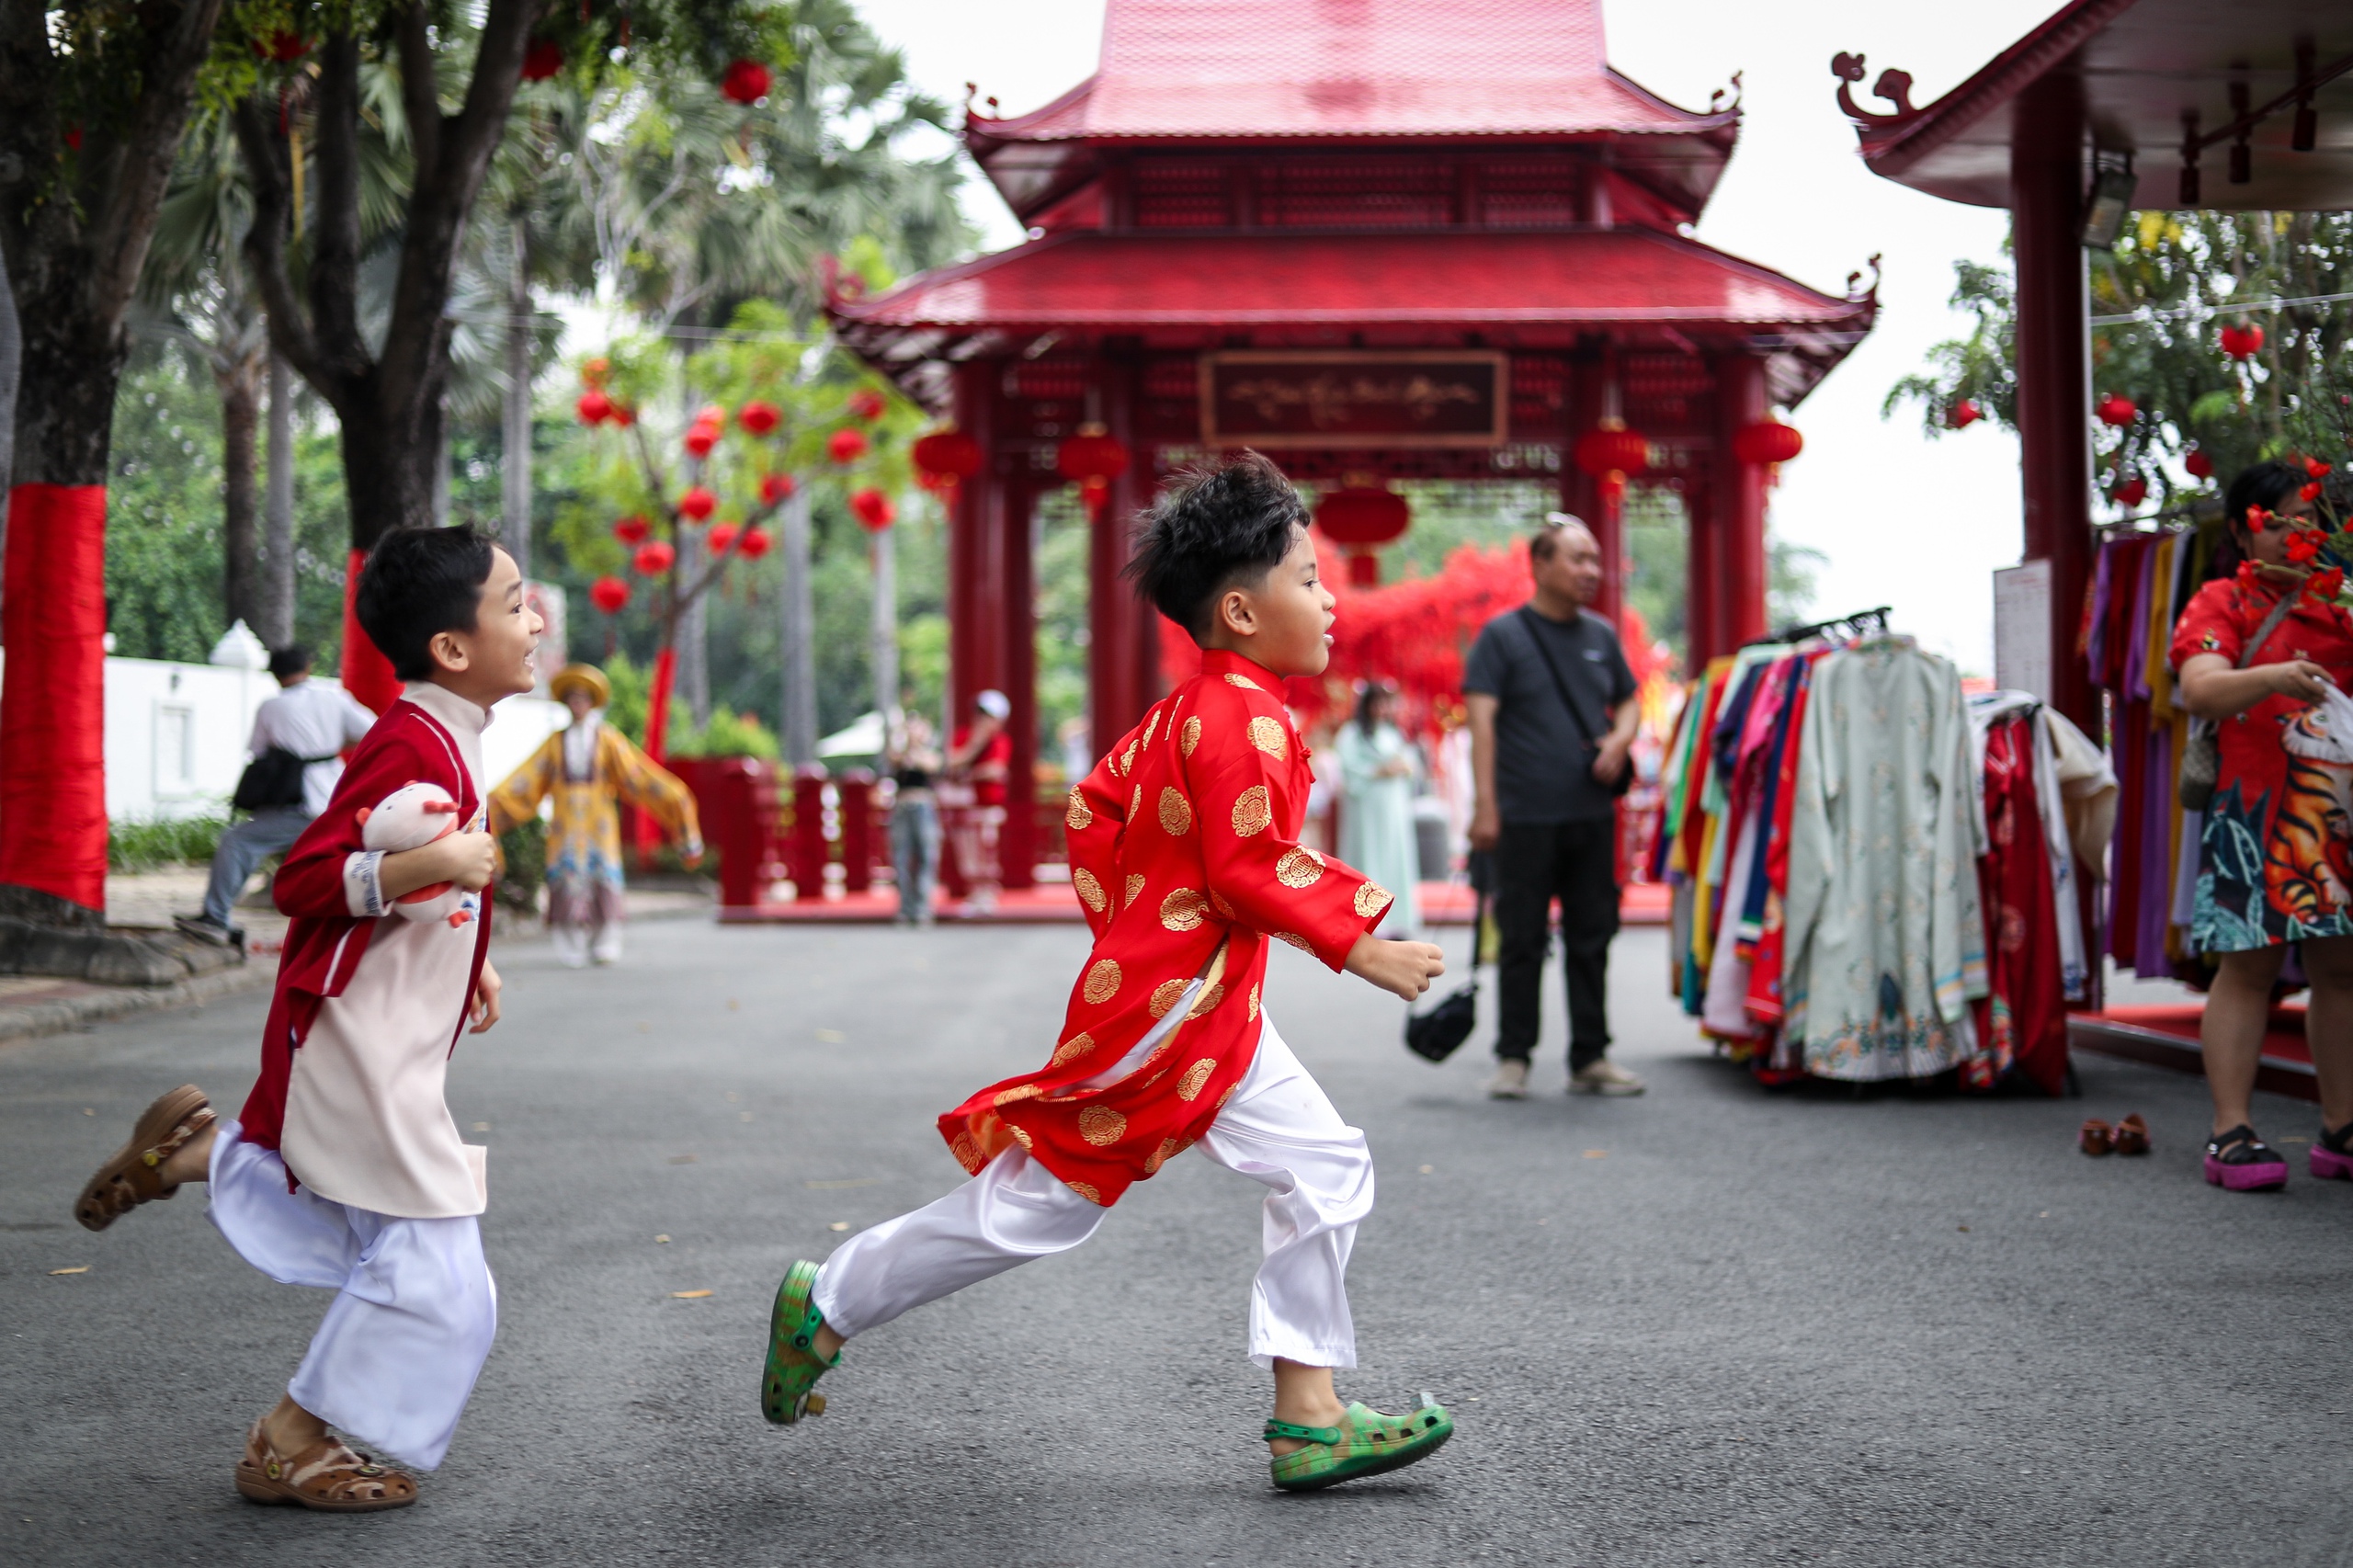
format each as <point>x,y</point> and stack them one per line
<point>1351,68</point>
<point>1528,286</point>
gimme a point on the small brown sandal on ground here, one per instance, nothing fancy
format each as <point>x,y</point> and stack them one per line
<point>135,1176</point>
<point>326,1476</point>
<point>2097,1137</point>
<point>2133,1135</point>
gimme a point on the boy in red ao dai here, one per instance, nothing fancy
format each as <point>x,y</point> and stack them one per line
<point>1183,850</point>
<point>345,1170</point>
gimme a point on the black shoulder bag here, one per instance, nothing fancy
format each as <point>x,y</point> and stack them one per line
<point>1436,1035</point>
<point>273,778</point>
<point>1625,779</point>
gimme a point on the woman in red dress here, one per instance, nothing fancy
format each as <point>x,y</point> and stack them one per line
<point>2275,864</point>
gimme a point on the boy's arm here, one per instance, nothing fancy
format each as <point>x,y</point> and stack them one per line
<point>332,874</point>
<point>1092,824</point>
<point>1272,883</point>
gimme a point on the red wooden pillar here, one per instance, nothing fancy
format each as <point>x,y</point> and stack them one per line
<point>1122,648</point>
<point>1739,509</point>
<point>1017,617</point>
<point>2054,365</point>
<point>1702,573</point>
<point>1581,494</point>
<point>975,555</point>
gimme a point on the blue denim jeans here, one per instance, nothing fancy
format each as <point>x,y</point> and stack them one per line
<point>915,854</point>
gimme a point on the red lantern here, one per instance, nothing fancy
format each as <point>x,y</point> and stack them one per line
<point>2243,342</point>
<point>776,487</point>
<point>1964,414</point>
<point>2131,493</point>
<point>945,459</point>
<point>1093,459</point>
<point>700,439</point>
<point>2200,465</point>
<point>1362,515</point>
<point>1608,453</point>
<point>623,416</point>
<point>745,82</point>
<point>1766,442</point>
<point>631,530</point>
<point>758,418</point>
<point>543,60</point>
<point>753,544</point>
<point>653,557</point>
<point>845,445</point>
<point>722,535</point>
<point>594,372</point>
<point>608,594</point>
<point>2117,409</point>
<point>873,510</point>
<point>594,406</point>
<point>698,504</point>
<point>867,404</point>
<point>282,46</point>
<point>1364,569</point>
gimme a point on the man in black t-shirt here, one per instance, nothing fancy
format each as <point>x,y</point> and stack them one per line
<point>1552,719</point>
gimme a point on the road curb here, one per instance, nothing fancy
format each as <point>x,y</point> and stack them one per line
<point>23,1021</point>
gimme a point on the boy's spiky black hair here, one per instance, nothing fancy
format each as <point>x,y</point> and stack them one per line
<point>418,582</point>
<point>1217,527</point>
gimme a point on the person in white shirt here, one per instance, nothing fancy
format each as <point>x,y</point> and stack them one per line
<point>314,722</point>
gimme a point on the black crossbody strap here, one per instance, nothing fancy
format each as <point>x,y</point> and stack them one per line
<point>1576,715</point>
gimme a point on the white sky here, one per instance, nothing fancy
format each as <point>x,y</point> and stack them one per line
<point>1906,521</point>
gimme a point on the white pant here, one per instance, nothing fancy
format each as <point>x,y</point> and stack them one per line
<point>1279,1129</point>
<point>414,1314</point>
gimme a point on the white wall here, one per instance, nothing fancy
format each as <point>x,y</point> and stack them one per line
<point>175,734</point>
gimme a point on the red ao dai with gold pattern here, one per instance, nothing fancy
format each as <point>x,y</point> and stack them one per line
<point>1184,849</point>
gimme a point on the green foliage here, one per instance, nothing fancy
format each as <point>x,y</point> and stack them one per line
<point>133,846</point>
<point>2169,286</point>
<point>632,691</point>
<point>727,735</point>
<point>525,849</point>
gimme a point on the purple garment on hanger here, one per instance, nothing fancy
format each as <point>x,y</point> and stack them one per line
<point>2136,653</point>
<point>2103,585</point>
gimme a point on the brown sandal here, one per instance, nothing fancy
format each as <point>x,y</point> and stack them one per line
<point>327,1476</point>
<point>2133,1135</point>
<point>135,1174</point>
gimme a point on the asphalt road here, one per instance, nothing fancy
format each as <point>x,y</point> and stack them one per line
<point>1704,1327</point>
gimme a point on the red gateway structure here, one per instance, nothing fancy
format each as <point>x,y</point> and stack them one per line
<point>1412,239</point>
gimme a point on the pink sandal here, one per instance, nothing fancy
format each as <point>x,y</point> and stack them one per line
<point>2332,1156</point>
<point>2238,1160</point>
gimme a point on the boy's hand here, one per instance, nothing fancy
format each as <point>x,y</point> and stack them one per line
<point>485,1002</point>
<point>469,859</point>
<point>1403,968</point>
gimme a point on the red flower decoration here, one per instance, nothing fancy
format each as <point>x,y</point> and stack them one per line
<point>2200,465</point>
<point>594,406</point>
<point>846,446</point>
<point>867,404</point>
<point>776,487</point>
<point>698,504</point>
<point>1964,414</point>
<point>873,510</point>
<point>633,529</point>
<point>2304,547</point>
<point>608,594</point>
<point>2325,584</point>
<point>745,82</point>
<point>653,557</point>
<point>722,534</point>
<point>2242,342</point>
<point>2310,492</point>
<point>543,60</point>
<point>2117,409</point>
<point>2132,492</point>
<point>753,544</point>
<point>758,418</point>
<point>700,439</point>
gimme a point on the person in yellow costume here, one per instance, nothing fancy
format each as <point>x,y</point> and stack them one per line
<point>591,768</point>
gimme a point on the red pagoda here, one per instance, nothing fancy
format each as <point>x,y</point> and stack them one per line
<point>1387,238</point>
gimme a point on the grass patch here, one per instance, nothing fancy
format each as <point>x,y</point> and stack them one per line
<point>134,847</point>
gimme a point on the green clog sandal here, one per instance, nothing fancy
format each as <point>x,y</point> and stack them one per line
<point>1368,1442</point>
<point>794,1365</point>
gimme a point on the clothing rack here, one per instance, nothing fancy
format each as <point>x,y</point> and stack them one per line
<point>1863,622</point>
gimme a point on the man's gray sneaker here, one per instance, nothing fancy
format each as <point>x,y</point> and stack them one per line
<point>1605,1077</point>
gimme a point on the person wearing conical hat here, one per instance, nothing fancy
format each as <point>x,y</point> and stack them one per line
<point>590,770</point>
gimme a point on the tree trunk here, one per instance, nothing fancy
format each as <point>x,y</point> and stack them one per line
<point>694,633</point>
<point>240,588</point>
<point>277,626</point>
<point>11,357</point>
<point>798,653</point>
<point>515,460</point>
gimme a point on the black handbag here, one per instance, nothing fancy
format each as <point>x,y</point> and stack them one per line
<point>273,778</point>
<point>1625,779</point>
<point>1437,1034</point>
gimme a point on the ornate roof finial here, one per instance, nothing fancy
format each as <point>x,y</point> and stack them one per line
<point>1895,87</point>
